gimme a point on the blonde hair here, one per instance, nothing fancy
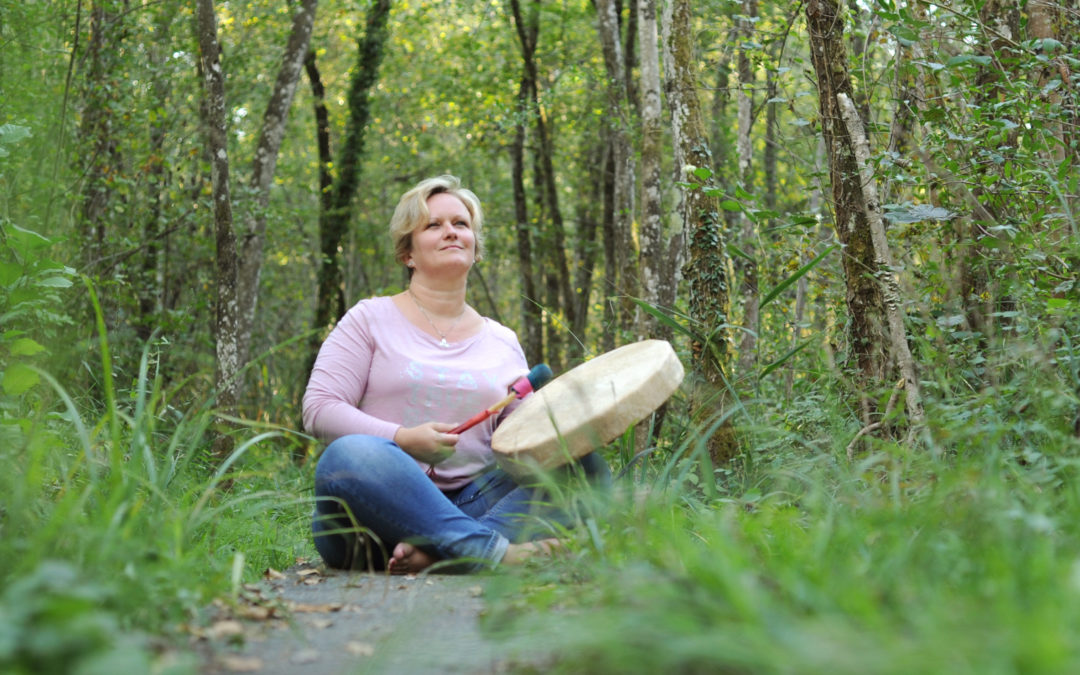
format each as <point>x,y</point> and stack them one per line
<point>412,212</point>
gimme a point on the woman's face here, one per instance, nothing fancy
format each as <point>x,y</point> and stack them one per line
<point>446,243</point>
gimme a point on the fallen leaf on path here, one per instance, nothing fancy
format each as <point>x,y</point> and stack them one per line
<point>308,571</point>
<point>225,629</point>
<point>304,607</point>
<point>320,624</point>
<point>311,581</point>
<point>255,612</point>
<point>272,574</point>
<point>242,664</point>
<point>476,591</point>
<point>359,648</point>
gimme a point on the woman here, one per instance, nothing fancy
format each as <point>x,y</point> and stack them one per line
<point>393,378</point>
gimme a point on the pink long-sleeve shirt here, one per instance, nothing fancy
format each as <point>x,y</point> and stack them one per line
<point>377,372</point>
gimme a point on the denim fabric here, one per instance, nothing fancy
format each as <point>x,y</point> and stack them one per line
<point>389,497</point>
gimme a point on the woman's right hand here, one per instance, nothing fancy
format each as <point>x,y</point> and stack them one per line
<point>428,443</point>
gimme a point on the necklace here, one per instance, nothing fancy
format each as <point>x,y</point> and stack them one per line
<point>442,342</point>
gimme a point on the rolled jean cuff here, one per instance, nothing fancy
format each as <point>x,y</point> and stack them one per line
<point>498,549</point>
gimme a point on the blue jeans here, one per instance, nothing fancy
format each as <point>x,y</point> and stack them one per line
<point>391,500</point>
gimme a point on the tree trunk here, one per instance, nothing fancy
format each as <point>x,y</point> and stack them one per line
<point>885,266</point>
<point>334,222</point>
<point>708,269</point>
<point>622,151</point>
<point>225,327</point>
<point>97,132</point>
<point>322,130</point>
<point>271,135</point>
<point>531,309</point>
<point>747,268</point>
<point>867,339</point>
<point>658,279</point>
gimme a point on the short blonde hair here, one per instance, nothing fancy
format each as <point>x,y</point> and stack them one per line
<point>412,212</point>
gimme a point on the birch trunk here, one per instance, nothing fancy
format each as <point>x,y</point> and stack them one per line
<point>657,272</point>
<point>271,134</point>
<point>225,328</point>
<point>884,261</point>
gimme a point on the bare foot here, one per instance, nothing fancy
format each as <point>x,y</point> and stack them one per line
<point>408,559</point>
<point>519,553</point>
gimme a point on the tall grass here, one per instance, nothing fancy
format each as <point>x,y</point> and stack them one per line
<point>959,554</point>
<point>113,517</point>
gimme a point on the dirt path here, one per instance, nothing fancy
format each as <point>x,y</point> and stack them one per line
<point>311,621</point>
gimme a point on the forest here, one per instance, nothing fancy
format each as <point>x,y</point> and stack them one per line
<point>855,222</point>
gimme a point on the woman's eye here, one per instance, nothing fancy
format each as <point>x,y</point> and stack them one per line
<point>431,225</point>
<point>461,223</point>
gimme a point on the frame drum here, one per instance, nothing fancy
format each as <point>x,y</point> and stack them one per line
<point>587,407</point>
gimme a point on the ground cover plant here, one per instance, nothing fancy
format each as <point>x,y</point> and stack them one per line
<point>957,555</point>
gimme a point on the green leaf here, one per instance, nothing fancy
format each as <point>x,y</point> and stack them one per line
<point>782,360</point>
<point>739,252</point>
<point>904,34</point>
<point>668,321</point>
<point>798,274</point>
<point>18,379</point>
<point>26,347</point>
<point>730,205</point>
<point>9,273</point>
<point>25,241</point>
<point>55,282</point>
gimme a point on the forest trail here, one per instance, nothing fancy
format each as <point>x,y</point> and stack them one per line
<point>313,621</point>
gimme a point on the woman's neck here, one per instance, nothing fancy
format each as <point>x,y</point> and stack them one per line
<point>442,300</point>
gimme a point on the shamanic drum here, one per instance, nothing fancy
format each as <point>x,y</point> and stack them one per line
<point>587,407</point>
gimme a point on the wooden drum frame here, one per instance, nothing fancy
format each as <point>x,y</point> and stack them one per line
<point>587,407</point>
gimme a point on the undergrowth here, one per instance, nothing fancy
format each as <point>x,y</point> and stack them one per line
<point>958,553</point>
<point>116,524</point>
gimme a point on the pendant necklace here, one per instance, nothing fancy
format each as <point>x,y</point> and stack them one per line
<point>442,342</point>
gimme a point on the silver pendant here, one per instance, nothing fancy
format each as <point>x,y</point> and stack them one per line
<point>444,344</point>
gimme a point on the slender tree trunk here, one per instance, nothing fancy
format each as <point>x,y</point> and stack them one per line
<point>867,339</point>
<point>334,222</point>
<point>149,286</point>
<point>322,130</point>
<point>225,327</point>
<point>708,269</point>
<point>886,268</point>
<point>618,117</point>
<point>558,275</point>
<point>97,128</point>
<point>611,270</point>
<point>264,165</point>
<point>657,271</point>
<point>531,309</point>
<point>747,268</point>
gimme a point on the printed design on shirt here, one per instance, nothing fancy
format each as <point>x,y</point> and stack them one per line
<point>436,392</point>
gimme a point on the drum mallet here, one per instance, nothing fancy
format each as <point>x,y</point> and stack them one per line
<point>537,377</point>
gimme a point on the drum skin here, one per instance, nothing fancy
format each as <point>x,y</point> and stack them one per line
<point>586,408</point>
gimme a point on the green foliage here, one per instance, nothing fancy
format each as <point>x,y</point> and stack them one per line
<point>961,560</point>
<point>112,518</point>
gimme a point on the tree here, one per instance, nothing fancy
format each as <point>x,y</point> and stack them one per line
<point>707,269</point>
<point>264,164</point>
<point>334,220</point>
<point>226,337</point>
<point>866,334</point>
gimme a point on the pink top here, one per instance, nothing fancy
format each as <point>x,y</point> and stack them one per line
<point>378,372</point>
